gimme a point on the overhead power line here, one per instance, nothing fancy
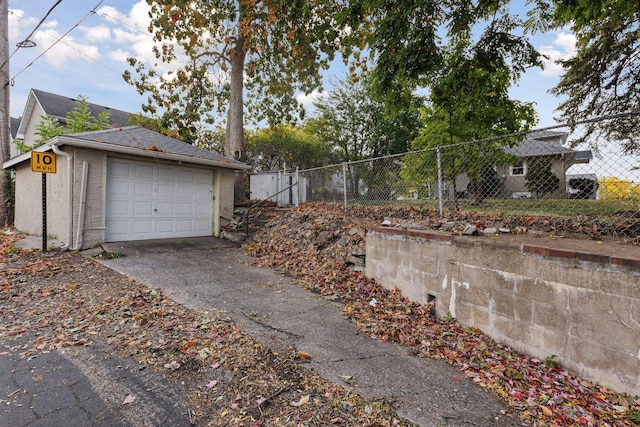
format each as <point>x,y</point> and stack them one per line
<point>27,42</point>
<point>91,12</point>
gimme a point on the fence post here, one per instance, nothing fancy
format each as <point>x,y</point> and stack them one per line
<point>344,184</point>
<point>440,189</point>
<point>297,187</point>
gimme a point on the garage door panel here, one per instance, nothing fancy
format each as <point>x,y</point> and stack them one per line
<point>143,189</point>
<point>143,171</point>
<point>202,225</point>
<point>203,178</point>
<point>147,201</point>
<point>119,169</point>
<point>166,209</point>
<point>185,176</point>
<point>203,209</point>
<point>165,226</point>
<point>119,227</point>
<point>118,207</point>
<point>185,225</point>
<point>202,193</point>
<point>185,209</point>
<point>142,208</point>
<point>165,191</point>
<point>119,187</point>
<point>143,226</point>
<point>165,173</point>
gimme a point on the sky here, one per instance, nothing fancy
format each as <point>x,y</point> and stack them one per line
<point>90,59</point>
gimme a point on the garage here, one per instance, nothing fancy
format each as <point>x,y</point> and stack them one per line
<point>146,200</point>
<point>122,184</point>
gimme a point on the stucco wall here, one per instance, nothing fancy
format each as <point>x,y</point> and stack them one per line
<point>28,208</point>
<point>94,219</point>
<point>583,307</point>
<point>227,178</point>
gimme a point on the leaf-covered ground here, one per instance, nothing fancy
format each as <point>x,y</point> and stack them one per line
<point>316,244</point>
<point>229,379</point>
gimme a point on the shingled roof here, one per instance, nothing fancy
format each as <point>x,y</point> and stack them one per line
<point>135,140</point>
<point>57,106</point>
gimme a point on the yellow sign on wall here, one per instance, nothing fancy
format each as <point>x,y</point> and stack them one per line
<point>43,162</point>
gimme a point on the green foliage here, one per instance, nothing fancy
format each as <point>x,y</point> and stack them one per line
<point>540,180</point>
<point>551,361</point>
<point>406,37</point>
<point>489,186</point>
<point>358,125</point>
<point>79,119</point>
<point>48,128</point>
<point>470,102</point>
<point>270,50</point>
<point>287,146</point>
<point>604,76</point>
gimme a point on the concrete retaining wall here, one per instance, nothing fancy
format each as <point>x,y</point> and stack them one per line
<point>541,300</point>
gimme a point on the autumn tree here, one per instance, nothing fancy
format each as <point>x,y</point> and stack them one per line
<point>286,146</point>
<point>358,126</point>
<point>603,77</point>
<point>222,49</point>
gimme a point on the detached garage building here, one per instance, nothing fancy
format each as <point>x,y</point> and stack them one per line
<point>125,184</point>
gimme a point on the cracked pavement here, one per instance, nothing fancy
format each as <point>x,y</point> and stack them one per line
<point>82,386</point>
<point>212,274</point>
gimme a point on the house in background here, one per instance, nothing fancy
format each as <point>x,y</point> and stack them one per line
<point>41,103</point>
<point>124,183</point>
<point>549,144</point>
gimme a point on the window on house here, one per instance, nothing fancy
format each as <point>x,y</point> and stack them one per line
<point>519,169</point>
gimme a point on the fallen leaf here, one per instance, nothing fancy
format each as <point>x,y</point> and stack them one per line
<point>173,365</point>
<point>303,355</point>
<point>303,401</point>
<point>212,383</point>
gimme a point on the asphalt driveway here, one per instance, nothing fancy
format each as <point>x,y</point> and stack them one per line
<point>213,274</point>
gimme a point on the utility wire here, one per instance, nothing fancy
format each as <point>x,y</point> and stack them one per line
<point>23,43</point>
<point>91,12</point>
<point>146,33</point>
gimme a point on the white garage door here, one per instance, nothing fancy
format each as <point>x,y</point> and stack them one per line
<point>154,201</point>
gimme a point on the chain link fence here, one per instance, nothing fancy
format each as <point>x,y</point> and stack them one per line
<point>539,179</point>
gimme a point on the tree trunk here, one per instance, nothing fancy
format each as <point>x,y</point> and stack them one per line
<point>234,138</point>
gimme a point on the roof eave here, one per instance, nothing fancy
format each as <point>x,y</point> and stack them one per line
<point>113,148</point>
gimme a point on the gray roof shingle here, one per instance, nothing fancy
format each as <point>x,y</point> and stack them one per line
<point>147,140</point>
<point>58,106</point>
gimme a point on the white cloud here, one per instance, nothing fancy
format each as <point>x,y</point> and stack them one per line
<point>65,50</point>
<point>99,33</point>
<point>17,22</point>
<point>309,99</point>
<point>564,47</point>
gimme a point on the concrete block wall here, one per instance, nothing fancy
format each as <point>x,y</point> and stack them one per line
<point>541,300</point>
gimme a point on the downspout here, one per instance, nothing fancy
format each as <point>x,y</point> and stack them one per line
<point>69,158</point>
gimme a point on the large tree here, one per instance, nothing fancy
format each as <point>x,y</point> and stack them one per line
<point>603,78</point>
<point>286,146</point>
<point>269,49</point>
<point>469,101</point>
<point>359,125</point>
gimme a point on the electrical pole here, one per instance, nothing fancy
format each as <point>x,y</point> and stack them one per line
<point>5,119</point>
